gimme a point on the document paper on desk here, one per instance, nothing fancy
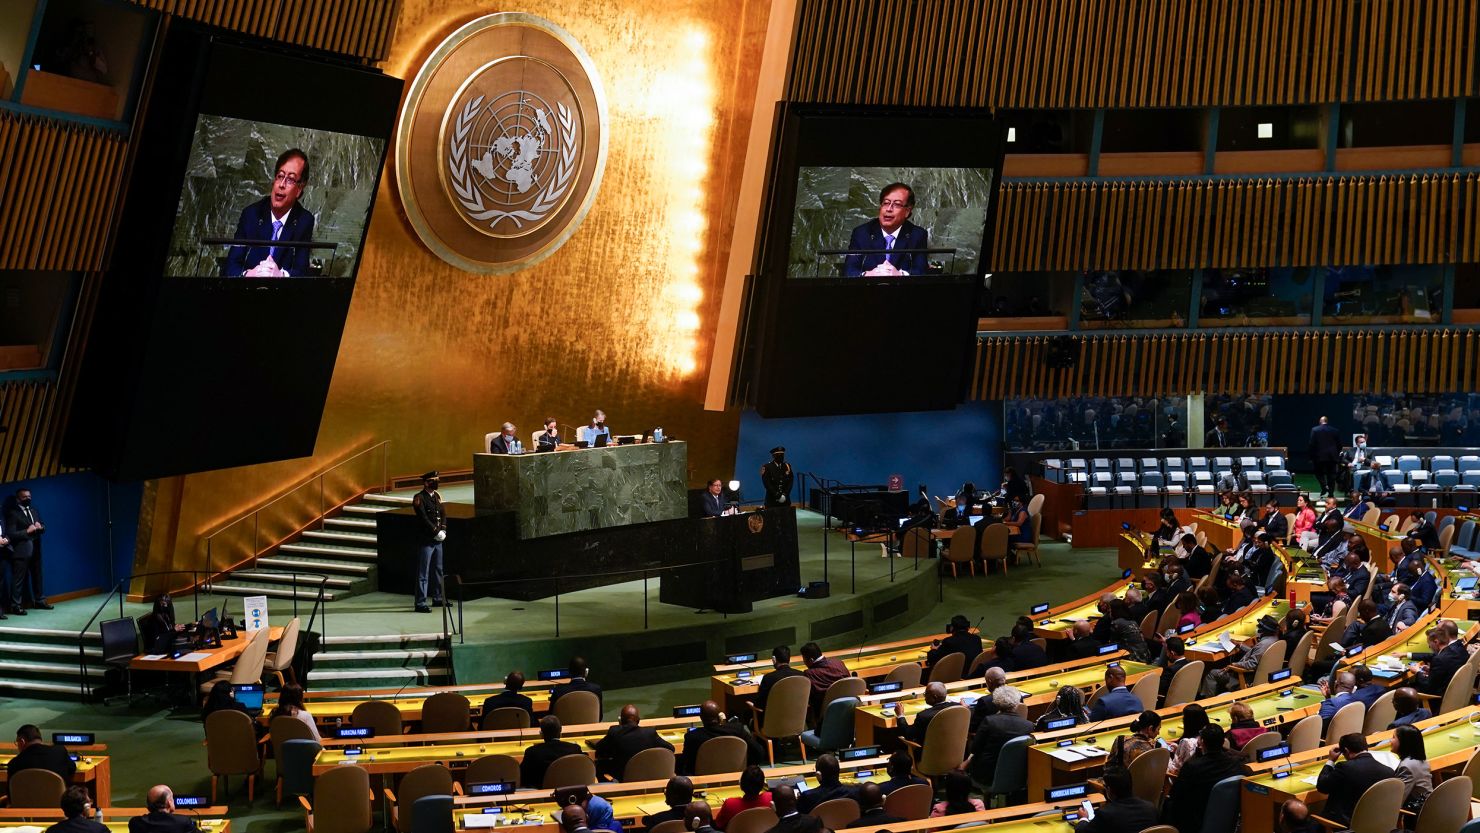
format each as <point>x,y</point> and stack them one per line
<point>196,656</point>
<point>1225,641</point>
<point>477,820</point>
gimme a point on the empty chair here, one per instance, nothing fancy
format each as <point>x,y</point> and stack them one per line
<point>1222,464</point>
<point>576,708</point>
<point>1398,480</point>
<point>1409,462</point>
<point>1306,735</point>
<point>963,546</point>
<point>427,779</point>
<point>835,730</point>
<point>380,715</point>
<point>1149,464</point>
<point>1222,814</point>
<point>948,668</point>
<point>907,673</point>
<point>432,814</point>
<point>1183,688</point>
<point>295,768</point>
<point>1383,460</point>
<point>1258,743</point>
<point>1147,689</point>
<point>508,717</point>
<point>785,714</point>
<point>1125,489</point>
<point>231,749</point>
<point>570,771</point>
<point>1177,484</point>
<point>280,731</point>
<point>1249,463</point>
<point>344,794</point>
<point>1010,776</point>
<point>1149,774</point>
<point>1172,464</point>
<point>1125,464</point>
<point>1419,478</point>
<point>445,711</point>
<point>1379,714</point>
<point>1441,461</point>
<point>656,764</point>
<point>248,667</point>
<point>1273,461</point>
<point>1279,477</point>
<point>1469,481</point>
<point>1469,462</point>
<point>491,769</point>
<point>1464,541</point>
<point>33,789</point>
<point>280,662</point>
<point>1198,463</point>
<point>1150,489</point>
<point>1445,479</point>
<point>1029,548</point>
<point>994,548</point>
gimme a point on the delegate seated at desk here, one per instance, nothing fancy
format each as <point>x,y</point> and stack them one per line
<point>548,439</point>
<point>31,753</point>
<point>712,502</point>
<point>892,229</point>
<point>506,442</point>
<point>596,433</point>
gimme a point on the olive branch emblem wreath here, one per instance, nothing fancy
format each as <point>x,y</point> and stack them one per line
<point>471,199</point>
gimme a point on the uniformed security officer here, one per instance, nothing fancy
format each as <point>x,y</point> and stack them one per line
<point>776,476</point>
<point>428,504</point>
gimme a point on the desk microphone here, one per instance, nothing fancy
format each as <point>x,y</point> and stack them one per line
<point>858,656</point>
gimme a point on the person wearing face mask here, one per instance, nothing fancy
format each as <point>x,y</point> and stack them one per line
<point>428,506</point>
<point>23,529</point>
<point>1402,611</point>
<point>1357,459</point>
<point>506,441</point>
<point>596,434</point>
<point>159,626</point>
<point>777,478</point>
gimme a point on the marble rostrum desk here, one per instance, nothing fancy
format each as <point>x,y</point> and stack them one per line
<point>542,524</point>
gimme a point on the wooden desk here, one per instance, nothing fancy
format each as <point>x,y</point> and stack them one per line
<point>1057,622</point>
<point>1271,707</point>
<point>1039,684</point>
<point>212,657</point>
<point>1222,533</point>
<point>1136,550</point>
<point>870,662</point>
<point>1378,542</point>
<point>1389,659</point>
<point>1202,643</point>
<point>93,771</point>
<point>1449,739</point>
<point>403,753</point>
<point>209,819</point>
<point>337,712</point>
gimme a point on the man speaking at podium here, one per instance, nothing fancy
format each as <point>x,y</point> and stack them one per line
<point>277,217</point>
<point>891,230</point>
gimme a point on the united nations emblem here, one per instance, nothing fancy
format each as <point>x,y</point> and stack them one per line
<point>502,143</point>
<point>756,522</point>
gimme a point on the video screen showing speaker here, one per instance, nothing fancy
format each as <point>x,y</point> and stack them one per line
<point>265,200</point>
<point>873,247</point>
<point>251,185</point>
<point>888,222</point>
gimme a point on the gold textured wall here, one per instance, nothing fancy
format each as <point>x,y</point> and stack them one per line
<point>619,318</point>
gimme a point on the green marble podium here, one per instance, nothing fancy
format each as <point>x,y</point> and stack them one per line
<point>584,489</point>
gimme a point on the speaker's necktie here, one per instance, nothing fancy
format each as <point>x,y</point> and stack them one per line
<point>277,229</point>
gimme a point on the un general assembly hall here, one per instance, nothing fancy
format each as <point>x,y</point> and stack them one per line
<point>740,416</point>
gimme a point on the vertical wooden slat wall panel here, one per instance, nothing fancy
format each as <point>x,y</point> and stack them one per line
<point>359,28</point>
<point>57,194</point>
<point>1085,53</point>
<point>1215,222</point>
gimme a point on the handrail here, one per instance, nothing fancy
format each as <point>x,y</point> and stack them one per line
<point>119,589</point>
<point>256,514</point>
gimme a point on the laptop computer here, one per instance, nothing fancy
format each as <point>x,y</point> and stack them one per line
<point>250,698</point>
<point>601,440</point>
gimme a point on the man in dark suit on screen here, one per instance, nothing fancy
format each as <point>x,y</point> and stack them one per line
<point>277,217</point>
<point>891,230</point>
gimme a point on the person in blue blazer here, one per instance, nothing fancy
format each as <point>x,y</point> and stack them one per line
<point>279,217</point>
<point>1117,701</point>
<point>892,229</point>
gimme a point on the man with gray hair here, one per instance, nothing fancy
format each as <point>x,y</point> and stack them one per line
<point>995,731</point>
<point>996,678</point>
<point>506,442</point>
<point>161,817</point>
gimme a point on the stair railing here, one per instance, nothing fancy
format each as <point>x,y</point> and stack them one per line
<point>304,506</point>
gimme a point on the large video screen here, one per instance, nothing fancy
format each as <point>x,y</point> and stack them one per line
<point>888,222</point>
<point>263,200</point>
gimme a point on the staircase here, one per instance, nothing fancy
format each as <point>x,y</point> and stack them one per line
<point>381,661</point>
<point>42,662</point>
<point>343,550</point>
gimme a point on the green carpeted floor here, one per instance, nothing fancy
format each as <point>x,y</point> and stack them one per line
<point>153,745</point>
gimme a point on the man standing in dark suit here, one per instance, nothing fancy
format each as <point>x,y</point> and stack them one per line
<point>578,669</point>
<point>510,698</point>
<point>23,530</point>
<point>537,758</point>
<point>712,502</point>
<point>1344,782</point>
<point>891,230</point>
<point>777,478</point>
<point>1218,436</point>
<point>1325,453</point>
<point>277,217</point>
<point>31,753</point>
<point>712,725</point>
<point>789,819</point>
<point>1124,812</point>
<point>624,740</point>
<point>161,817</point>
